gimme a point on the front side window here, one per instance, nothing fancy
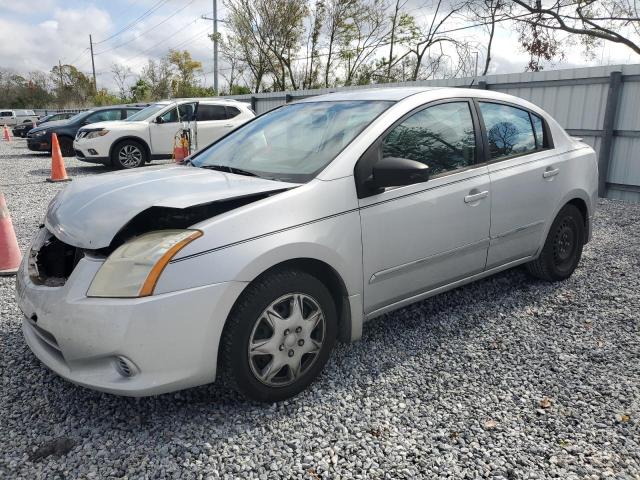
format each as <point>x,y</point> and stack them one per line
<point>211,112</point>
<point>104,116</point>
<point>146,112</point>
<point>181,113</point>
<point>129,112</point>
<point>509,130</point>
<point>441,137</point>
<point>292,143</point>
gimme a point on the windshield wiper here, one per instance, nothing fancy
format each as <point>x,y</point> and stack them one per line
<point>226,168</point>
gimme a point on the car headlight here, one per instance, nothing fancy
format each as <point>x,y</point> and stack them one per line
<point>39,133</point>
<point>133,269</point>
<point>96,133</point>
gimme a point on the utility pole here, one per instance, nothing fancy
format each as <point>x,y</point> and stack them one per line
<point>93,65</point>
<point>215,44</point>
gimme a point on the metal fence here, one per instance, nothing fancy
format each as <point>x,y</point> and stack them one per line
<point>600,104</point>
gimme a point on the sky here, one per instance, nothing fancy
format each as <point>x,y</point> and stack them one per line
<point>35,35</point>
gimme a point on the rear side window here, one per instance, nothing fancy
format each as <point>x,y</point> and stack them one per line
<point>538,127</point>
<point>211,112</point>
<point>509,130</point>
<point>232,112</point>
<point>441,137</point>
<point>6,114</point>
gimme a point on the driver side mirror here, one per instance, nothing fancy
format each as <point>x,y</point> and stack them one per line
<point>397,172</point>
<point>159,120</point>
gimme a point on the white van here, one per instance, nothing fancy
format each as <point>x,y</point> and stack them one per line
<point>151,133</point>
<point>16,117</point>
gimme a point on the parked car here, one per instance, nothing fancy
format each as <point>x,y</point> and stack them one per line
<point>256,255</point>
<point>150,134</point>
<point>16,117</point>
<point>39,138</point>
<point>22,129</point>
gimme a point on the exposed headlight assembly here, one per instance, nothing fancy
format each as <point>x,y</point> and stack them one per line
<point>39,133</point>
<point>96,133</point>
<point>133,269</point>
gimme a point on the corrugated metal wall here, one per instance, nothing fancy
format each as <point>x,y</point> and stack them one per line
<point>577,98</point>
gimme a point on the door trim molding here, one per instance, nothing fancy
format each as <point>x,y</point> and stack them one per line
<point>449,286</point>
<point>405,267</point>
<point>517,230</point>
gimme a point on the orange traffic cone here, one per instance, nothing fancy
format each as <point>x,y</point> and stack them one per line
<point>58,172</point>
<point>10,256</point>
<point>6,135</point>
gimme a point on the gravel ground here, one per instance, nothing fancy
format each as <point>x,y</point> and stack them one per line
<point>506,378</point>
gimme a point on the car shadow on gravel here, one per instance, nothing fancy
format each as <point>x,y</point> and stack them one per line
<point>437,321</point>
<point>72,171</point>
<point>25,156</point>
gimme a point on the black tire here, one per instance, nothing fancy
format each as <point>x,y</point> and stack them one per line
<point>128,154</point>
<point>563,247</point>
<point>66,146</point>
<point>237,366</point>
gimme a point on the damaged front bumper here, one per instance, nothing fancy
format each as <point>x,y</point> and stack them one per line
<point>134,346</point>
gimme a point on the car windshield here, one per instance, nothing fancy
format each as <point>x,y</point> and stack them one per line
<point>293,143</point>
<point>147,112</point>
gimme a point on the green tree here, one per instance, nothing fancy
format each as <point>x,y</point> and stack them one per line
<point>185,68</point>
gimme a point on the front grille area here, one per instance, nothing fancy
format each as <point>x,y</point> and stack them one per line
<point>53,262</point>
<point>79,154</point>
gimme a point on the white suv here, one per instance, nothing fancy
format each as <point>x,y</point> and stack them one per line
<point>151,133</point>
<point>16,117</point>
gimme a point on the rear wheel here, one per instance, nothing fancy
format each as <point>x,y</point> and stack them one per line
<point>128,154</point>
<point>278,336</point>
<point>563,247</point>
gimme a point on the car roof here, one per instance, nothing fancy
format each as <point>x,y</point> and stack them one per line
<point>218,100</point>
<point>126,105</point>
<point>383,93</point>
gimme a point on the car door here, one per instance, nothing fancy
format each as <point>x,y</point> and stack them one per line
<point>524,172</point>
<point>164,129</point>
<point>419,237</point>
<point>212,123</point>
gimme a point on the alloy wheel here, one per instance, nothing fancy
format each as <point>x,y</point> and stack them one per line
<point>286,339</point>
<point>130,156</point>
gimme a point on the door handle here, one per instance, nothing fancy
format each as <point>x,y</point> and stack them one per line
<point>228,125</point>
<point>550,172</point>
<point>474,197</point>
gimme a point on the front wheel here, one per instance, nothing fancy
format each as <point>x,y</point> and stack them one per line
<point>66,146</point>
<point>563,247</point>
<point>278,336</point>
<point>128,154</point>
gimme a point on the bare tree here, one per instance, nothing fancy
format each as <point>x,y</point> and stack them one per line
<point>488,13</point>
<point>609,20</point>
<point>120,75</point>
<point>435,33</point>
<point>364,33</point>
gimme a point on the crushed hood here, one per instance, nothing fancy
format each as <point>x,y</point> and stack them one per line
<point>90,211</point>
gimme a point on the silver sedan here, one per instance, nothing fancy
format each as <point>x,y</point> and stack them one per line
<point>257,254</point>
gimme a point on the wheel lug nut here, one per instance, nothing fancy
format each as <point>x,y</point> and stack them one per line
<point>281,347</point>
<point>298,330</point>
<point>301,342</point>
<point>286,332</point>
<point>291,353</point>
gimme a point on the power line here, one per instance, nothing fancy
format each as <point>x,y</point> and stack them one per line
<point>146,31</point>
<point>148,12</point>
<point>138,55</point>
